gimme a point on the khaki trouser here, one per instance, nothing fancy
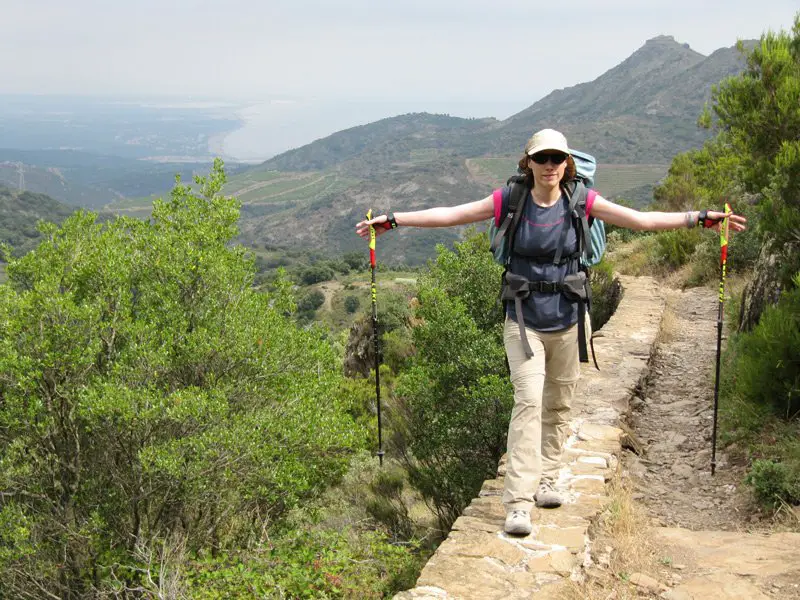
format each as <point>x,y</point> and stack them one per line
<point>543,390</point>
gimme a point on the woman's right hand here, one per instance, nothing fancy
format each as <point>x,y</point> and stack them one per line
<point>379,223</point>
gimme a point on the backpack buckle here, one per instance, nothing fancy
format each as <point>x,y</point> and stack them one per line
<point>547,287</point>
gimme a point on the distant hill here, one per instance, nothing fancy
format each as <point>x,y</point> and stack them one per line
<point>21,211</point>
<point>92,180</point>
<point>634,118</point>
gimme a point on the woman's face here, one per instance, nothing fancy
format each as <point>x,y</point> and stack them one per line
<point>548,167</point>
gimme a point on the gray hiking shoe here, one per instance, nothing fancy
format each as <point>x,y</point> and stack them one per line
<point>546,496</point>
<point>518,522</point>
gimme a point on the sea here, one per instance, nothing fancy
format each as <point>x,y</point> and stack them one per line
<point>277,125</point>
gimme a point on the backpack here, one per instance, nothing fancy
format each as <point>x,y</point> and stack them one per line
<point>593,244</point>
<point>591,247</point>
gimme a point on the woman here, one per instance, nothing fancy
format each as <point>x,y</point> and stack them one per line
<point>545,382</point>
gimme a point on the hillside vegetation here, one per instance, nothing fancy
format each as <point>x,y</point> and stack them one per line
<point>19,214</point>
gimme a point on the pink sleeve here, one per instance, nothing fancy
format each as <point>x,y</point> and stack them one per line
<point>590,196</point>
<point>497,195</point>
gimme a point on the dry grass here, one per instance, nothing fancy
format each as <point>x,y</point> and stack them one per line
<point>632,258</point>
<point>623,528</point>
<point>669,323</point>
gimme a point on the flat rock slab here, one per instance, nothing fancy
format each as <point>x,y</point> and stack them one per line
<point>738,554</point>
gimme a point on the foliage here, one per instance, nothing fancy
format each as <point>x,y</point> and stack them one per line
<point>606,293</point>
<point>774,482</point>
<point>758,115</point>
<point>19,214</point>
<point>760,399</point>
<point>703,178</point>
<point>306,564</point>
<point>765,363</point>
<point>147,390</point>
<point>456,396</point>
<point>316,274</point>
<point>351,304</point>
<point>674,248</point>
<point>387,505</point>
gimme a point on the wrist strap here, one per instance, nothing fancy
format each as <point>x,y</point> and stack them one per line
<point>705,220</point>
<point>390,222</point>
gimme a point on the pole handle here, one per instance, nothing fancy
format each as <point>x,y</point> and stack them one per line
<point>371,241</point>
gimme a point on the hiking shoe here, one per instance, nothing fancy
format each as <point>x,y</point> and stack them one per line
<point>546,496</point>
<point>518,522</point>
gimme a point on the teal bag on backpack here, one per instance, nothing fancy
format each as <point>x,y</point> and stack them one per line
<point>586,167</point>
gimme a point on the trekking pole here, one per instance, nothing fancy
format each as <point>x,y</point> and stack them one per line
<point>374,294</point>
<point>723,260</point>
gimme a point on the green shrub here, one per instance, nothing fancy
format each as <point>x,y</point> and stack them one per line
<point>606,293</point>
<point>351,304</point>
<point>307,565</point>
<point>765,363</point>
<point>311,301</point>
<point>315,274</point>
<point>675,248</point>
<point>774,482</point>
<point>387,506</point>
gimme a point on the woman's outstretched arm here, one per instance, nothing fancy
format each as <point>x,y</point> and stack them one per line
<point>441,216</point>
<point>629,218</point>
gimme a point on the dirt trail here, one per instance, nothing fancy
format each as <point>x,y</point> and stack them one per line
<point>674,420</point>
<point>713,542</point>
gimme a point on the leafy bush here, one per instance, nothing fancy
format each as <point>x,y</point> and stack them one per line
<point>387,505</point>
<point>675,248</point>
<point>311,301</point>
<point>765,363</point>
<point>351,304</point>
<point>760,400</point>
<point>456,397</point>
<point>148,390</point>
<point>774,482</point>
<point>316,274</point>
<point>307,565</point>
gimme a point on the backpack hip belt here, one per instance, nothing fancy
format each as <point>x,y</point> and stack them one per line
<point>575,288</point>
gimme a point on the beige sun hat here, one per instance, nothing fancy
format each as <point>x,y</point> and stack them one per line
<point>546,139</point>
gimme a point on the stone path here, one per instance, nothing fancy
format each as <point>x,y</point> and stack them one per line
<point>478,560</point>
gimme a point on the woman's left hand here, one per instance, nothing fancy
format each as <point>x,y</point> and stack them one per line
<point>737,222</point>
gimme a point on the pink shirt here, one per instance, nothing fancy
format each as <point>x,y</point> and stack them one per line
<point>497,196</point>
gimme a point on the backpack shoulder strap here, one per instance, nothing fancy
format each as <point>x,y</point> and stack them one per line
<point>574,191</point>
<point>578,211</point>
<point>516,206</point>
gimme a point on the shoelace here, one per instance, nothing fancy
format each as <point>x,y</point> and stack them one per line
<point>517,513</point>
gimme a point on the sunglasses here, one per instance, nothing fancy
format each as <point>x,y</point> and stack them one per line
<point>541,158</point>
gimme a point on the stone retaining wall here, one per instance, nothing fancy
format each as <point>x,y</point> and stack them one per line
<point>478,560</point>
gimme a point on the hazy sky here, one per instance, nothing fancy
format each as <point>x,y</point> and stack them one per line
<point>406,50</point>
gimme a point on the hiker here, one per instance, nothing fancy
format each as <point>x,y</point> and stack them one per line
<point>543,354</point>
